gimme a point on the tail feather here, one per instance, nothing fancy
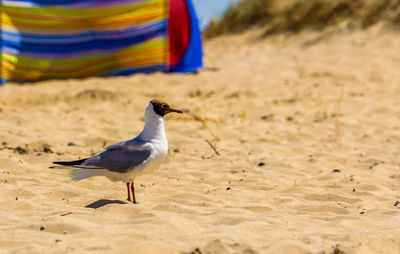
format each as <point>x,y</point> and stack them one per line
<point>83,173</point>
<point>70,163</point>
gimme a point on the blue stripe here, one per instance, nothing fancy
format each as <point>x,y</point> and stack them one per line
<point>82,37</point>
<point>67,2</point>
<point>95,43</point>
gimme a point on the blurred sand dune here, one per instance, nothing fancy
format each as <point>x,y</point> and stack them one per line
<point>308,136</point>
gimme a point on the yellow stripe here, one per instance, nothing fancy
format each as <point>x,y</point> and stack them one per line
<point>111,21</point>
<point>135,56</point>
<point>57,11</point>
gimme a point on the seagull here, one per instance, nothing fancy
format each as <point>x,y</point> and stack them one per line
<point>125,160</point>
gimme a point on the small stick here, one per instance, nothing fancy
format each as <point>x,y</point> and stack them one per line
<point>67,213</point>
<point>205,124</point>
<point>338,112</point>
<point>213,147</point>
<point>212,60</point>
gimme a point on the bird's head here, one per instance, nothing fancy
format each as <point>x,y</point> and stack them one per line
<point>162,108</point>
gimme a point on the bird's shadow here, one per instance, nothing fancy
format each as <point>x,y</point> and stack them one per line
<point>103,202</point>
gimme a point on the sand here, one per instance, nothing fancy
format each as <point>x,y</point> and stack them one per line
<point>307,131</point>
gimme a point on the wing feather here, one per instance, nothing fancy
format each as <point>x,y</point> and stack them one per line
<point>120,157</point>
<point>117,160</point>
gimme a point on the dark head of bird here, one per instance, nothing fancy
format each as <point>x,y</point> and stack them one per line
<point>162,108</point>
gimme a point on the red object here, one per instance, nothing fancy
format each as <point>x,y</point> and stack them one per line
<point>178,31</point>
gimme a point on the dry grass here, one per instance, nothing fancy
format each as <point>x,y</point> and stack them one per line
<point>295,15</point>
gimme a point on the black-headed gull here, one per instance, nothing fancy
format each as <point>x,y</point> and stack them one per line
<point>125,160</point>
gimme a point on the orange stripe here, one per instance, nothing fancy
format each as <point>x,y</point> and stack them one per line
<point>142,53</point>
<point>83,23</point>
<point>132,20</point>
<point>19,76</point>
<point>147,61</point>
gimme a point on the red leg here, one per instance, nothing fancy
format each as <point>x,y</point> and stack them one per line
<point>133,192</point>
<point>129,193</point>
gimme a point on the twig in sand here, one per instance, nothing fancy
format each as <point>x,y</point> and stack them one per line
<point>205,124</point>
<point>338,112</point>
<point>67,213</point>
<point>213,147</point>
<point>212,60</point>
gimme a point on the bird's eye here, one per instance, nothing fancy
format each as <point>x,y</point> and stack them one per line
<point>163,105</point>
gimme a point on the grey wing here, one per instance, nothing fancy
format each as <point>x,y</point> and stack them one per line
<point>134,144</point>
<point>118,160</point>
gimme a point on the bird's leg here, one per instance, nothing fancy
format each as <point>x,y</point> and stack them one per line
<point>129,192</point>
<point>133,192</point>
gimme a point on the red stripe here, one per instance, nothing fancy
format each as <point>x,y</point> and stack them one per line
<point>179,31</point>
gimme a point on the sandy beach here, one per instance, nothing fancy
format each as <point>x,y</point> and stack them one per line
<point>306,132</point>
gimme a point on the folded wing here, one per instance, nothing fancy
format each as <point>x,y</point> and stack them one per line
<point>120,157</point>
<point>117,160</point>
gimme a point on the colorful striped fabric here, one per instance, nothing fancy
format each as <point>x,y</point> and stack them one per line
<point>53,39</point>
